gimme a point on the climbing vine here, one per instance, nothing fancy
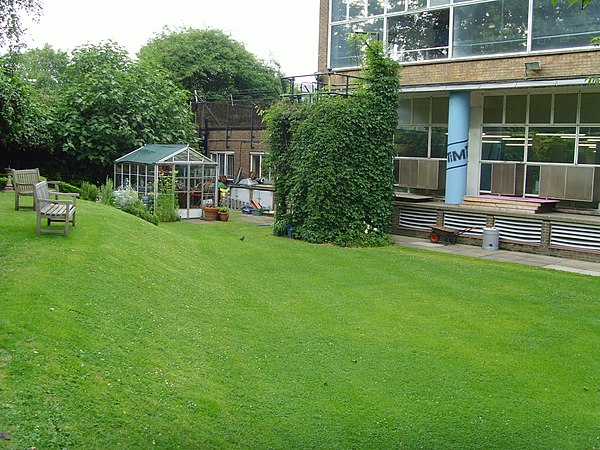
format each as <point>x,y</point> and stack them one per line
<point>332,159</point>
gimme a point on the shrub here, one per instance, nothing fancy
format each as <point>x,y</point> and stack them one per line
<point>138,209</point>
<point>67,187</point>
<point>107,195</point>
<point>3,181</point>
<point>89,191</point>
<point>125,195</point>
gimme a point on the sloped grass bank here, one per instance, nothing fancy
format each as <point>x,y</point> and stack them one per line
<point>127,335</point>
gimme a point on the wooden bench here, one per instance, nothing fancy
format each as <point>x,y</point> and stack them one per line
<point>53,210</point>
<point>23,182</point>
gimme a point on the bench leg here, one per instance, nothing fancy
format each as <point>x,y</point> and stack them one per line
<point>66,226</point>
<point>39,225</point>
<point>16,201</point>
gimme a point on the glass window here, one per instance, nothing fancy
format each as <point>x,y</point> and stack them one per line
<point>374,7</point>
<point>416,4</point>
<point>404,111</point>
<point>439,110</point>
<point>503,144</point>
<point>565,108</point>
<point>588,150</point>
<point>396,5</point>
<point>590,108</point>
<point>490,28</point>
<point>532,180</point>
<point>516,108</point>
<point>540,108</point>
<point>439,142</point>
<point>420,36</point>
<point>561,26</point>
<point>225,162</point>
<point>338,10</point>
<point>439,2</point>
<point>411,141</point>
<point>552,144</point>
<point>493,106</point>
<point>485,180</point>
<point>256,164</point>
<point>356,9</point>
<point>342,53</point>
<point>421,110</point>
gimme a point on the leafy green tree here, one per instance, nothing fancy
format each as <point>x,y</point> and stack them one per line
<point>44,68</point>
<point>109,105</point>
<point>23,117</point>
<point>211,63</point>
<point>10,21</point>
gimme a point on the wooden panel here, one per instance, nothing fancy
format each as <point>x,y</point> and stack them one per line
<point>408,173</point>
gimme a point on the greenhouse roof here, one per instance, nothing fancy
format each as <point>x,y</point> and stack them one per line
<point>157,153</point>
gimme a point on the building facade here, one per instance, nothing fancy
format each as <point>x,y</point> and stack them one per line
<point>494,98</point>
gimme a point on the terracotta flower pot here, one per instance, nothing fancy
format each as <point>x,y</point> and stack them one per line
<point>210,212</point>
<point>223,217</point>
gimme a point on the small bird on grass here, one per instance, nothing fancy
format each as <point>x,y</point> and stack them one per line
<point>242,238</point>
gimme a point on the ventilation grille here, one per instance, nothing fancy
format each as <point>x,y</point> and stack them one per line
<point>580,237</point>
<point>460,221</point>
<point>417,219</point>
<point>519,230</point>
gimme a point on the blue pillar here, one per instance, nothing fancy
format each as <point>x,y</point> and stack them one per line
<point>457,150</point>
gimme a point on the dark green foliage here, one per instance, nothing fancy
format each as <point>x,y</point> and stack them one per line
<point>3,181</point>
<point>89,191</point>
<point>138,209</point>
<point>107,193</point>
<point>67,187</point>
<point>211,63</point>
<point>332,160</point>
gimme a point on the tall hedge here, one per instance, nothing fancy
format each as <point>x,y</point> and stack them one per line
<point>332,159</point>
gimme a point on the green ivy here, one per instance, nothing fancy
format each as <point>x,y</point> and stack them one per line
<point>332,159</point>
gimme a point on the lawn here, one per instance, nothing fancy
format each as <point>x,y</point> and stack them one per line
<point>128,335</point>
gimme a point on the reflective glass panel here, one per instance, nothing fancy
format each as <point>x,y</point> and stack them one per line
<point>552,144</point>
<point>416,4</point>
<point>356,9</point>
<point>411,141</point>
<point>565,108</point>
<point>540,108</point>
<point>421,110</point>
<point>532,180</point>
<point>590,108</point>
<point>420,36</point>
<point>516,108</point>
<point>439,110</point>
<point>485,180</point>
<point>439,142</point>
<point>503,144</point>
<point>396,5</point>
<point>439,2</point>
<point>404,111</point>
<point>342,53</point>
<point>374,7</point>
<point>338,10</point>
<point>589,145</point>
<point>490,28</point>
<point>560,26</point>
<point>492,109</point>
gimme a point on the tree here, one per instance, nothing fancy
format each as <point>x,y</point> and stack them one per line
<point>10,22</point>
<point>109,105</point>
<point>211,63</point>
<point>44,68</point>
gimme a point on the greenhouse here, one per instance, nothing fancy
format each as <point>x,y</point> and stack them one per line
<point>156,168</point>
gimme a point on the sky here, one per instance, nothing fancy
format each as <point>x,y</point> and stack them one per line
<point>282,30</point>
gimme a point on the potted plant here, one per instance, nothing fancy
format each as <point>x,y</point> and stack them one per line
<point>223,213</point>
<point>210,212</point>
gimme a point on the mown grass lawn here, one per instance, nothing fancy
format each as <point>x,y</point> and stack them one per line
<point>127,335</point>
